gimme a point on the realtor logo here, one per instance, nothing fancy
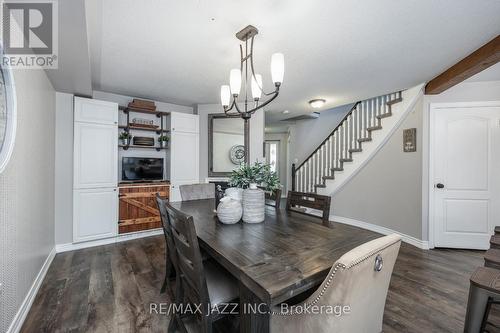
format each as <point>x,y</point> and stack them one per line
<point>29,33</point>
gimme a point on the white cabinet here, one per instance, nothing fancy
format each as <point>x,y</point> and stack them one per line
<point>95,214</point>
<point>95,155</point>
<point>184,152</point>
<point>95,173</point>
<point>95,111</point>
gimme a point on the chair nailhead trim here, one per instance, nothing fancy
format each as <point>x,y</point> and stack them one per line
<point>332,275</point>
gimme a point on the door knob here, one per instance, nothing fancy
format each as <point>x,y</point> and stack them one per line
<point>439,185</point>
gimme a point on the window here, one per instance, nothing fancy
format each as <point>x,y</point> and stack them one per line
<point>272,155</point>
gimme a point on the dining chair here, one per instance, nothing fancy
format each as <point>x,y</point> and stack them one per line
<point>272,198</point>
<point>197,191</point>
<point>170,257</point>
<point>297,201</point>
<point>200,282</point>
<point>352,296</point>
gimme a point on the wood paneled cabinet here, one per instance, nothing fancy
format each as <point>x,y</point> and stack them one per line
<point>137,206</point>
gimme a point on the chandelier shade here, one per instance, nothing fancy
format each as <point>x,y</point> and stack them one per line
<point>277,67</point>
<point>235,81</point>
<point>225,95</point>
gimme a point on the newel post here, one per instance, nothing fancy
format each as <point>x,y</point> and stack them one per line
<point>293,176</point>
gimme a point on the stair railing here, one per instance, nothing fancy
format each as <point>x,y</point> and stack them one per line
<point>346,138</point>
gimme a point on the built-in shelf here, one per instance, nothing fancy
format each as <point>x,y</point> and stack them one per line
<point>131,127</point>
<point>124,147</point>
<point>127,109</point>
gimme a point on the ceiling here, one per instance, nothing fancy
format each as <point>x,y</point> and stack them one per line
<point>343,51</point>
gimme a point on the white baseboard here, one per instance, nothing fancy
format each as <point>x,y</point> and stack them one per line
<point>120,238</point>
<point>21,314</point>
<point>381,230</point>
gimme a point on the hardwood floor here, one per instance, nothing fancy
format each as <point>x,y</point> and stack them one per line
<point>109,289</point>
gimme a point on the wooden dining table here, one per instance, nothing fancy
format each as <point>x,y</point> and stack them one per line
<point>273,261</point>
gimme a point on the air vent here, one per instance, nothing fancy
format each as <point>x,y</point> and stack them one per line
<point>314,115</point>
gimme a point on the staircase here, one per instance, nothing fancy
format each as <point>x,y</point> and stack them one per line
<point>343,143</point>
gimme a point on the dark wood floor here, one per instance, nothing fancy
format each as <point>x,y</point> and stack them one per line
<point>109,289</point>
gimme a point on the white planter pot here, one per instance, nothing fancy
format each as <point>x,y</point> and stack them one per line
<point>235,193</point>
<point>229,211</point>
<point>254,208</point>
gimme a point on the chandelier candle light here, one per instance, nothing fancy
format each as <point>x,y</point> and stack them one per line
<point>229,93</point>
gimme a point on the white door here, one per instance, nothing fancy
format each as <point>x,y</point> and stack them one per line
<point>95,111</point>
<point>95,214</point>
<point>95,155</point>
<point>184,152</point>
<point>465,171</point>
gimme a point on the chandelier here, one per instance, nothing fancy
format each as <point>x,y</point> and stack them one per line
<point>229,94</point>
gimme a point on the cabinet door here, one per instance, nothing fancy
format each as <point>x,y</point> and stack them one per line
<point>184,152</point>
<point>95,111</point>
<point>95,214</point>
<point>95,155</point>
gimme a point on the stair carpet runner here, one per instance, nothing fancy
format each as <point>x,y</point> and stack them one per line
<point>347,138</point>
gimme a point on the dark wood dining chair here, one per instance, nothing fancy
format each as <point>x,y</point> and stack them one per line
<point>199,282</point>
<point>170,256</point>
<point>297,201</point>
<point>272,198</point>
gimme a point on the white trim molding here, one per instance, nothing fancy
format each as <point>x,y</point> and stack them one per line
<point>25,307</point>
<point>116,239</point>
<point>421,244</point>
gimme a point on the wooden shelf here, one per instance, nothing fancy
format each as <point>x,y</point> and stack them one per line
<point>136,110</point>
<point>157,130</point>
<point>142,147</point>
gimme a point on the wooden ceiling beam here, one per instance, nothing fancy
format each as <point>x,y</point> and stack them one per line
<point>479,60</point>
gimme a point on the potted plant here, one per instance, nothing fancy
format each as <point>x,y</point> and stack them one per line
<point>163,140</point>
<point>125,137</point>
<point>249,177</point>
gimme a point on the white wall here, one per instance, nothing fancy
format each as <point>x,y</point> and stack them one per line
<point>308,134</point>
<point>256,135</point>
<point>27,193</point>
<point>387,191</point>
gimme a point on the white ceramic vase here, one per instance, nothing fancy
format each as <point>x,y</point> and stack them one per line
<point>253,205</point>
<point>229,210</point>
<point>235,193</point>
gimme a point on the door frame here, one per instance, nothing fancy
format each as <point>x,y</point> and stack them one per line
<point>429,180</point>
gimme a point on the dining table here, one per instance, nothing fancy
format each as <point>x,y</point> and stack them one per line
<point>285,255</point>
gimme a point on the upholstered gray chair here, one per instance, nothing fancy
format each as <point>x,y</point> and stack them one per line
<point>359,280</point>
<point>197,191</point>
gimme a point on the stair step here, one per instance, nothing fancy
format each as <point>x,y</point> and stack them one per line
<point>355,150</point>
<point>320,185</point>
<point>374,128</point>
<point>328,177</point>
<point>364,139</point>
<point>394,101</point>
<point>345,160</point>
<point>337,169</point>
<point>384,115</point>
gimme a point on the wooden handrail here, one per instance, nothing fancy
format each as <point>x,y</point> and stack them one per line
<point>328,137</point>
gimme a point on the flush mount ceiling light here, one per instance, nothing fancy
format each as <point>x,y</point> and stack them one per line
<point>286,112</point>
<point>251,82</point>
<point>317,103</point>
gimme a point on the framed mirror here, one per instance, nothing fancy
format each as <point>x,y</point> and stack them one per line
<point>7,114</point>
<point>226,144</point>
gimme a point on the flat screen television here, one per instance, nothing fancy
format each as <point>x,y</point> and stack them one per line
<point>142,168</point>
